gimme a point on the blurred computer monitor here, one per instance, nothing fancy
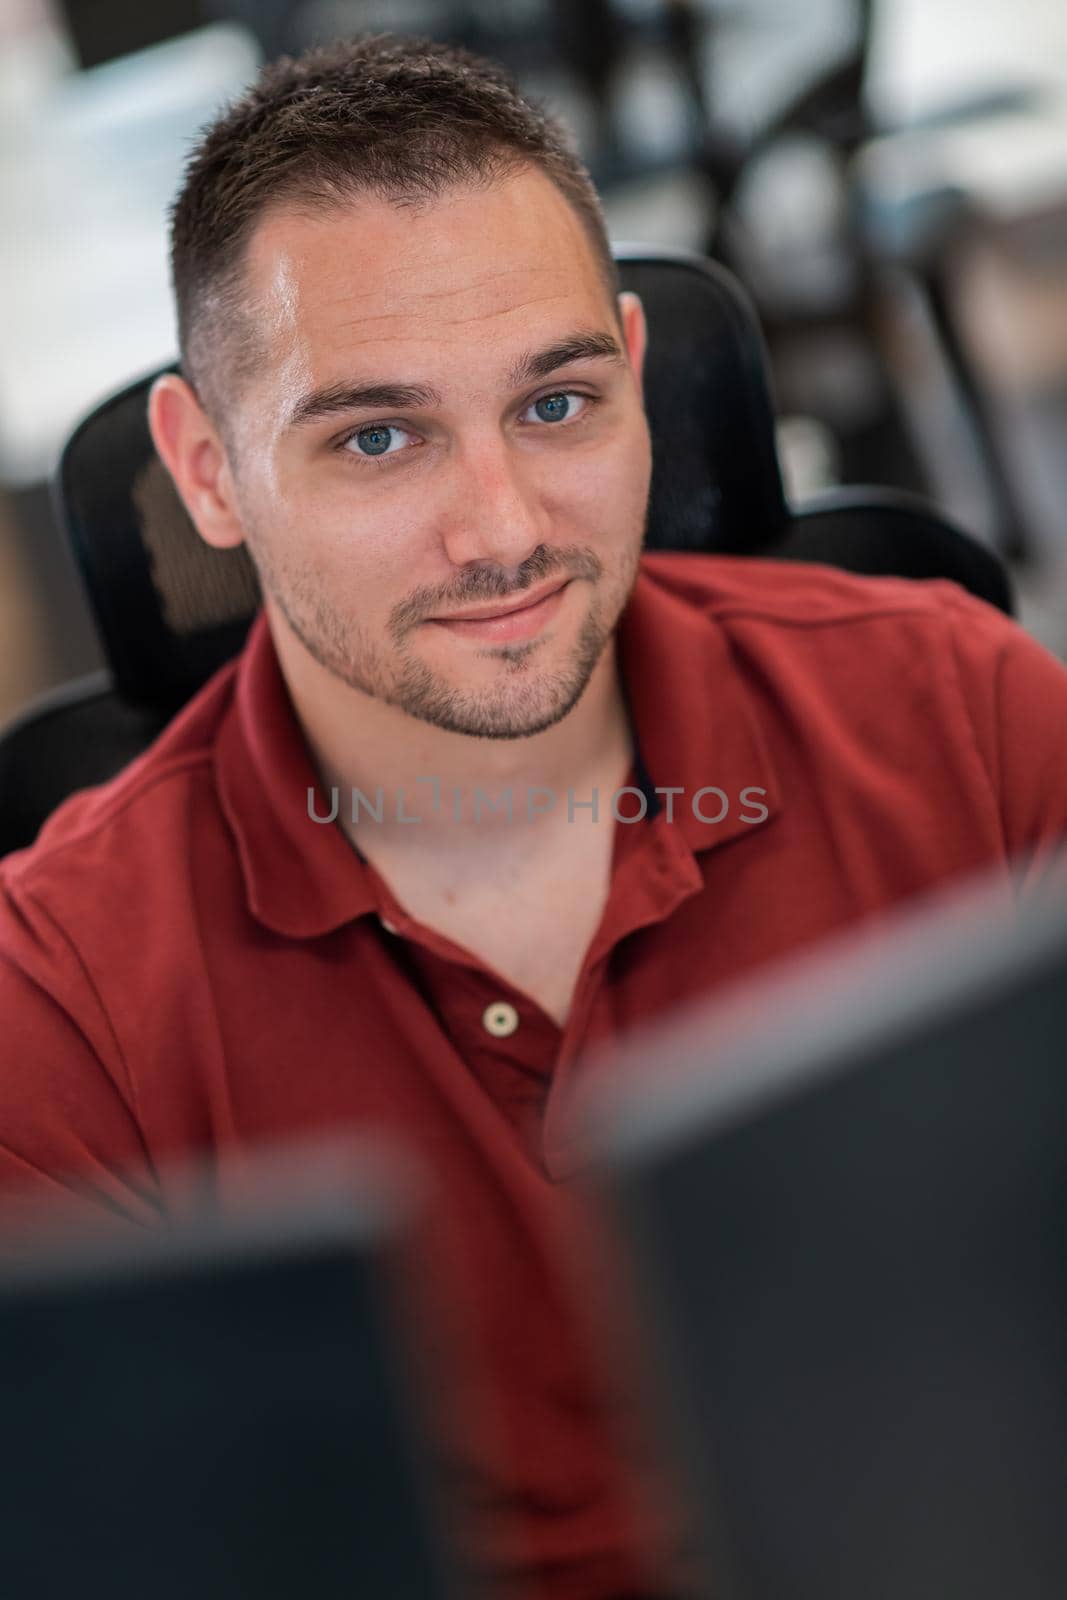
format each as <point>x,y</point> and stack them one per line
<point>219,1414</point>
<point>849,1218</point>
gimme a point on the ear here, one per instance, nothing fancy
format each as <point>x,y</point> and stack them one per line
<point>635,332</point>
<point>189,446</point>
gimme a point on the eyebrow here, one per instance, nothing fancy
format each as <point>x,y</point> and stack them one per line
<point>340,397</point>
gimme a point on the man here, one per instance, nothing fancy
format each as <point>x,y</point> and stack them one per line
<point>487,786</point>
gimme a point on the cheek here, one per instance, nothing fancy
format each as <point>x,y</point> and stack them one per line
<point>335,529</point>
<point>609,490</point>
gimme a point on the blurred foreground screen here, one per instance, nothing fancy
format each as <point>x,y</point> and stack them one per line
<point>848,1208</point>
<point>218,1414</point>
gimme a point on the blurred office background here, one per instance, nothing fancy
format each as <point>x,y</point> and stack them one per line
<point>888,178</point>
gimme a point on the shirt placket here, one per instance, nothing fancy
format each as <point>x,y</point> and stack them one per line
<point>504,1038</point>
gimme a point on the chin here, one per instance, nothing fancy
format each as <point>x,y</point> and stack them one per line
<point>516,711</point>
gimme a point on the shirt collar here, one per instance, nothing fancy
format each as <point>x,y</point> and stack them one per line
<point>694,729</point>
<point>302,877</point>
<point>694,723</point>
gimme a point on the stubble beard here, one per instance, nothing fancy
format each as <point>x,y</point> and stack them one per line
<point>530,700</point>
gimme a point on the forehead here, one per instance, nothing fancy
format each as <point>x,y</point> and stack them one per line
<point>476,271</point>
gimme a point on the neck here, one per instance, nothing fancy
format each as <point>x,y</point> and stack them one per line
<point>403,784</point>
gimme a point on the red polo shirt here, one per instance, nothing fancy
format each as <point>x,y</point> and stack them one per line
<point>190,964</point>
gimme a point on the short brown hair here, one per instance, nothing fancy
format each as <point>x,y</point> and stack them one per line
<point>402,119</point>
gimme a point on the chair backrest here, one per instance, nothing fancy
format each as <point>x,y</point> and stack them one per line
<point>894,533</point>
<point>171,610</point>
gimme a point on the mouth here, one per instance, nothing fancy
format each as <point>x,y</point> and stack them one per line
<point>520,618</point>
<point>521,602</point>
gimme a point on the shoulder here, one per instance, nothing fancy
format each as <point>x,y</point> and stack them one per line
<point>812,618</point>
<point>810,612</point>
<point>790,595</point>
<point>905,670</point>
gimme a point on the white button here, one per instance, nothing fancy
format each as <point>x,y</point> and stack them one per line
<point>500,1019</point>
<point>388,926</point>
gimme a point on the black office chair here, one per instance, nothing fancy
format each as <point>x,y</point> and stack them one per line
<point>171,610</point>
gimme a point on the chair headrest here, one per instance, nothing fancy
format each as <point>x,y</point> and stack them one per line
<point>171,610</point>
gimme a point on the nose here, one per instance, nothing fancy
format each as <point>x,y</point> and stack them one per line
<point>498,513</point>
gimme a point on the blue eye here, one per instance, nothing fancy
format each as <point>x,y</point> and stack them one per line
<point>375,438</point>
<point>556,407</point>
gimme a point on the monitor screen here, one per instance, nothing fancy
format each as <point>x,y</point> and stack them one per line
<point>218,1415</point>
<point>849,1224</point>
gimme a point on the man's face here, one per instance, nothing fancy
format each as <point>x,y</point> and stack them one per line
<point>375,519</point>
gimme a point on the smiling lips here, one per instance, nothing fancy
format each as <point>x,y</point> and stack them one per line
<point>524,618</point>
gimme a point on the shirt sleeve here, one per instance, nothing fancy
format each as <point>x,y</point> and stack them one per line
<point>1015,692</point>
<point>71,1150</point>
